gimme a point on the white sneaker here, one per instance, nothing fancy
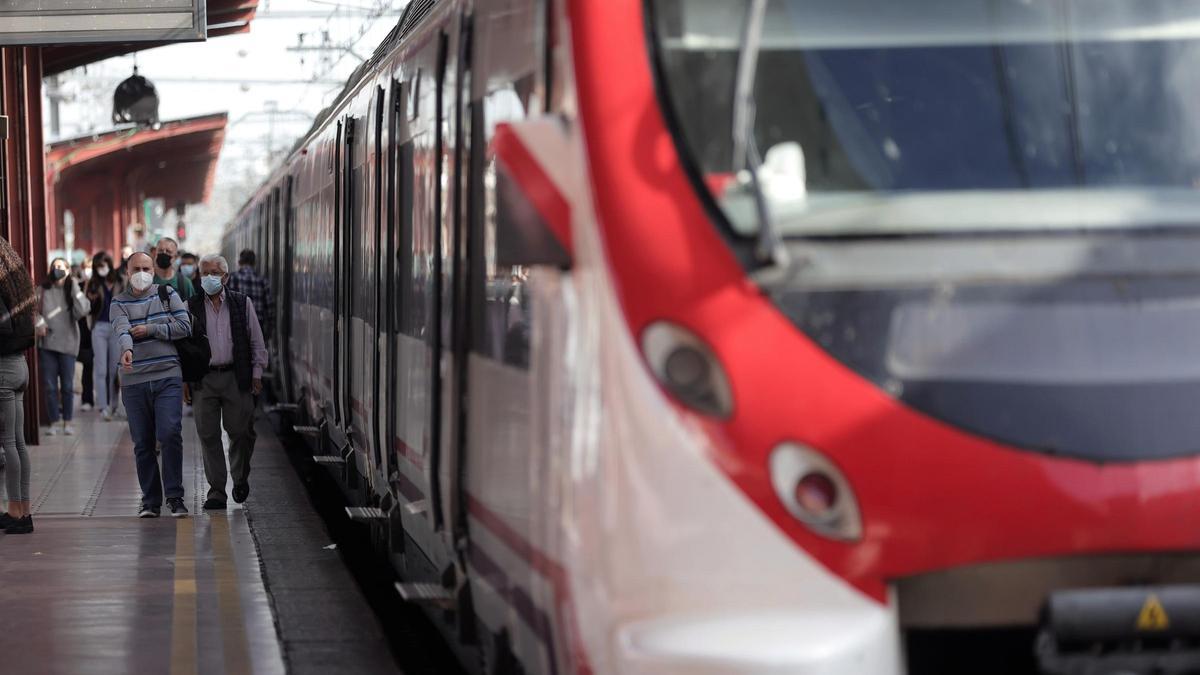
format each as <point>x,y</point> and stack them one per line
<point>68,430</point>
<point>86,407</point>
<point>107,415</point>
<point>52,430</point>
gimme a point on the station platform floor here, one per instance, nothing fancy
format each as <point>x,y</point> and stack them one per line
<point>255,589</point>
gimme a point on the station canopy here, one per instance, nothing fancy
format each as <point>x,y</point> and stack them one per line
<point>103,180</point>
<point>223,17</point>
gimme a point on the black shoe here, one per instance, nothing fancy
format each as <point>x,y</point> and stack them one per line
<point>240,492</point>
<point>176,507</point>
<point>148,512</point>
<point>22,526</point>
<point>6,521</point>
<point>214,504</point>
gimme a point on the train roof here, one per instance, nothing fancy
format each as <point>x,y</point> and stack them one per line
<point>410,19</point>
<point>414,12</point>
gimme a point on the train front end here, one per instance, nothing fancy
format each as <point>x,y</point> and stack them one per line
<point>926,275</point>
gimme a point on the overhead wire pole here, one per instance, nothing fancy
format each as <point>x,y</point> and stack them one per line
<point>381,10</point>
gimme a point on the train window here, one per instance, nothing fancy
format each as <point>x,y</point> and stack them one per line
<point>405,264</point>
<point>414,97</point>
<point>503,331</point>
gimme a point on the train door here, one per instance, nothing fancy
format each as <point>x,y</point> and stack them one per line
<point>376,291</point>
<point>353,305</point>
<point>269,262</point>
<point>457,309</point>
<point>397,270</point>
<point>337,269</point>
<point>411,201</point>
<point>390,300</point>
<point>284,294</point>
<point>440,278</point>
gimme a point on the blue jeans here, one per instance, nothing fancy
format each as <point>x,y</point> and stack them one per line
<point>105,357</point>
<point>155,411</point>
<point>14,379</point>
<point>58,368</point>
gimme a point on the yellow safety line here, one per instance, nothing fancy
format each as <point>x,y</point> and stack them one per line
<point>183,616</point>
<point>233,627</point>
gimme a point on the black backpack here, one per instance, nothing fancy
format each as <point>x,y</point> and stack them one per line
<point>194,352</point>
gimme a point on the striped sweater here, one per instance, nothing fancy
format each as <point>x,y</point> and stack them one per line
<point>154,356</point>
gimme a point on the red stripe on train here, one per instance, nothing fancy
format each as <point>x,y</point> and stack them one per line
<point>546,567</point>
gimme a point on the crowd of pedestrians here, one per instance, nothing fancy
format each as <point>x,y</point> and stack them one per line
<point>154,331</point>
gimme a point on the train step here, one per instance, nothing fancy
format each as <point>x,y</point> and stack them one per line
<point>425,594</point>
<point>328,460</point>
<point>365,514</point>
<point>417,508</point>
<point>307,431</point>
<point>283,407</point>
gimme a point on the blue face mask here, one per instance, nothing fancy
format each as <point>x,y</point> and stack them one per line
<point>187,270</point>
<point>211,284</point>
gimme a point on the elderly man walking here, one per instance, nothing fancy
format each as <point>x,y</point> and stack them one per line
<point>147,322</point>
<point>225,396</point>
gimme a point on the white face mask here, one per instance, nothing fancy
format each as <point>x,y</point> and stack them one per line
<point>141,280</point>
<point>102,270</point>
<point>87,273</point>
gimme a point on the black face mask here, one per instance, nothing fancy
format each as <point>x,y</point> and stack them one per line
<point>163,261</point>
<point>57,274</point>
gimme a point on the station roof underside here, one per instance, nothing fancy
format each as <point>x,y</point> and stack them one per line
<point>225,17</point>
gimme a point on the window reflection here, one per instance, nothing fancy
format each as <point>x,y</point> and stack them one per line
<point>504,334</point>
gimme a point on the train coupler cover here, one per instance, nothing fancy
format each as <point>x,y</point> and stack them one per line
<point>1136,630</point>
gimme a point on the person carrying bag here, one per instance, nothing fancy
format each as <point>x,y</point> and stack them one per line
<point>194,352</point>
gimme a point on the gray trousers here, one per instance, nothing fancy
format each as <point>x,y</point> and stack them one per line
<point>218,402</point>
<point>14,378</point>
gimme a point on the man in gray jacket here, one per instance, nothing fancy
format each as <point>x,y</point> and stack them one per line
<point>152,382</point>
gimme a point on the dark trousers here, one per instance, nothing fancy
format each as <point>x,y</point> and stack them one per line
<point>58,376</point>
<point>218,403</point>
<point>88,395</point>
<point>155,411</point>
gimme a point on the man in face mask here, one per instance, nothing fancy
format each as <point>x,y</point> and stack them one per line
<point>166,252</point>
<point>225,396</point>
<point>189,268</point>
<point>146,327</point>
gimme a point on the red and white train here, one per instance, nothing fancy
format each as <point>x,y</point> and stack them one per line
<point>699,336</point>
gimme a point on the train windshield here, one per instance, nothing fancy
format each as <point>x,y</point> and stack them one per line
<point>865,117</point>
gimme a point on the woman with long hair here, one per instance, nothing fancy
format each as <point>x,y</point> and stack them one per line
<point>105,283</point>
<point>60,306</point>
<point>17,309</point>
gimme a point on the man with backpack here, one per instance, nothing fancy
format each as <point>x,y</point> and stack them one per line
<point>225,396</point>
<point>147,322</point>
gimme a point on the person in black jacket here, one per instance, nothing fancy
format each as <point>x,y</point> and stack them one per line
<point>17,301</point>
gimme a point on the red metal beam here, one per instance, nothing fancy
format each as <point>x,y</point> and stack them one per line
<point>23,222</point>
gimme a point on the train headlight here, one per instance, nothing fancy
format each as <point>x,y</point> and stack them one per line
<point>815,492</point>
<point>687,368</point>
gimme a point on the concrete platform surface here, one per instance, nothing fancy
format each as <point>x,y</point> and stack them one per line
<point>253,589</point>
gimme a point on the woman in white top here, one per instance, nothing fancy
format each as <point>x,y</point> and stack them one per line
<point>60,305</point>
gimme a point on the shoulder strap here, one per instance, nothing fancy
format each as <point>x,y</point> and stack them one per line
<point>164,296</point>
<point>195,305</point>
